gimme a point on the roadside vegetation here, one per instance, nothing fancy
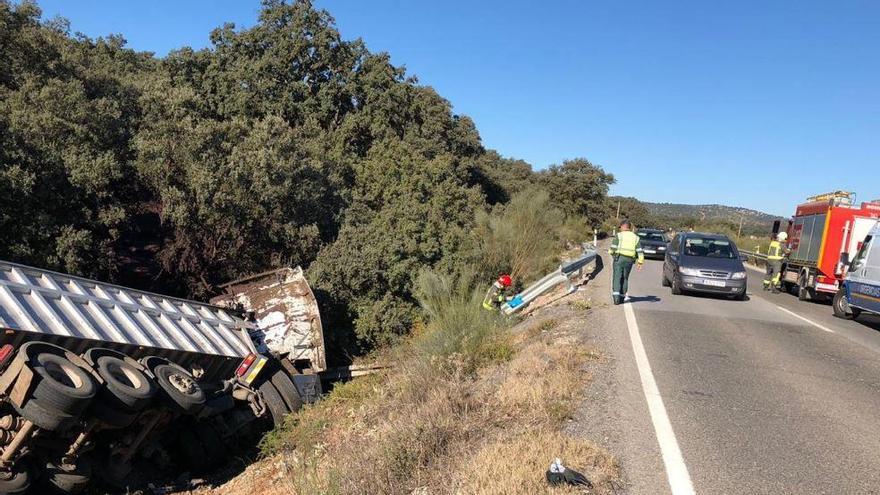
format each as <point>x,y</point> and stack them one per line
<point>280,144</point>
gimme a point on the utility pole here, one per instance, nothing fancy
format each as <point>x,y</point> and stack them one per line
<point>740,231</point>
<point>618,210</point>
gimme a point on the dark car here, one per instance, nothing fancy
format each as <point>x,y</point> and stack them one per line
<point>654,243</point>
<point>704,263</point>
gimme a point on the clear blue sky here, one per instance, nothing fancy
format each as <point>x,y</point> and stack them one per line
<point>747,103</point>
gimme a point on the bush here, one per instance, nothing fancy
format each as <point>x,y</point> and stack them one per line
<point>458,329</point>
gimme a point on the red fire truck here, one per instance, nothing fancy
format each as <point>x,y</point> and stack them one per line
<point>824,234</point>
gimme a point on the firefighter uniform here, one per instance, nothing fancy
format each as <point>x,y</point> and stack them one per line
<point>626,249</point>
<point>495,296</point>
<point>775,254</point>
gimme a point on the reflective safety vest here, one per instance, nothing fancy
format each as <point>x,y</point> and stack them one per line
<point>494,297</point>
<point>628,244</point>
<point>776,251</point>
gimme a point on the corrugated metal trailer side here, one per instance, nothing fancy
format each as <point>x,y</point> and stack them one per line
<point>78,313</point>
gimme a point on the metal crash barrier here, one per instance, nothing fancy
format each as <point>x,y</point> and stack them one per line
<point>563,275</point>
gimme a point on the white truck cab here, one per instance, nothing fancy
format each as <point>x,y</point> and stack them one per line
<point>861,287</point>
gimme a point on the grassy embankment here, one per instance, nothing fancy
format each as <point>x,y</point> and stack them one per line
<point>471,405</point>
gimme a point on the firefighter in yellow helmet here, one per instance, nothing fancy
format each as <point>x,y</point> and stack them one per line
<point>626,249</point>
<point>775,254</point>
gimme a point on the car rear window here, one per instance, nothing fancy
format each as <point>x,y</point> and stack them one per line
<point>652,236</point>
<point>704,247</point>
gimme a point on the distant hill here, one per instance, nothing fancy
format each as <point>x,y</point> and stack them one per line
<point>710,213</point>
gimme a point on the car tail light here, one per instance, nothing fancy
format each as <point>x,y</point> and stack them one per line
<point>5,354</point>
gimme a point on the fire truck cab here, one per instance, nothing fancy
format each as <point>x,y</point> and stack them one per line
<point>824,235</point>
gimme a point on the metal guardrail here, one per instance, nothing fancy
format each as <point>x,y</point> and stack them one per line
<point>562,275</point>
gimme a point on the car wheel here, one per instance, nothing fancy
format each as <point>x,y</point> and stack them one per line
<point>841,306</point>
<point>676,285</point>
<point>663,280</point>
<point>740,296</point>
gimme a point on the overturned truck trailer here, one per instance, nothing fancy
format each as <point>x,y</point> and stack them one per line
<point>95,374</point>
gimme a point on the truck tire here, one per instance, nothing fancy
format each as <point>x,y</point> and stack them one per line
<point>804,293</point>
<point>180,388</point>
<point>277,408</point>
<point>126,384</point>
<point>841,307</point>
<point>63,386</point>
<point>16,480</point>
<point>68,481</point>
<point>287,390</point>
<point>46,419</point>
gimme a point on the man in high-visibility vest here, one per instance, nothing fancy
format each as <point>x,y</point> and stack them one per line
<point>626,249</point>
<point>775,254</point>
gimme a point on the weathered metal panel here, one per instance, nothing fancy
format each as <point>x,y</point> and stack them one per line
<point>288,321</point>
<point>54,306</point>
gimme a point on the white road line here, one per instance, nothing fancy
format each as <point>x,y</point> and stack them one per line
<point>811,322</point>
<point>676,471</point>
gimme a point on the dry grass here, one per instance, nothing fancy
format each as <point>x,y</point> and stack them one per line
<point>480,411</point>
<point>430,427</point>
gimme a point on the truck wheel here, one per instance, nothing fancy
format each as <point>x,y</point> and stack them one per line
<point>287,390</point>
<point>63,386</point>
<point>126,383</point>
<point>804,293</point>
<point>180,387</point>
<point>68,481</point>
<point>277,407</point>
<point>842,308</point>
<point>16,480</point>
<point>45,418</point>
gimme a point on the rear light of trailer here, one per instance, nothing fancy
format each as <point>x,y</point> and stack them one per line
<point>5,354</point>
<point>250,367</point>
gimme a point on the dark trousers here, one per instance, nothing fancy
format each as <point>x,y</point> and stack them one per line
<point>620,277</point>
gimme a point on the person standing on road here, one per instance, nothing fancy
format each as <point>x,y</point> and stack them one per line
<point>775,254</point>
<point>626,249</point>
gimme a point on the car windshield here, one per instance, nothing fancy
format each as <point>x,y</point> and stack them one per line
<point>708,248</point>
<point>652,236</point>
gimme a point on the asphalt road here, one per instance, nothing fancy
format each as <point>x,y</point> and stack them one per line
<point>759,400</point>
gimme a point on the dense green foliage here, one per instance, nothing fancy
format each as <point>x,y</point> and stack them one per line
<point>280,144</point>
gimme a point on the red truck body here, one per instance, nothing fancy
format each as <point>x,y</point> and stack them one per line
<point>824,234</point>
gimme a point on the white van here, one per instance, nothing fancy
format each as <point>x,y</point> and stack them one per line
<point>861,288</point>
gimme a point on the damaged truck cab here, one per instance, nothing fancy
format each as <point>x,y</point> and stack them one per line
<point>95,374</point>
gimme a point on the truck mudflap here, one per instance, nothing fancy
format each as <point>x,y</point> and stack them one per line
<point>288,322</point>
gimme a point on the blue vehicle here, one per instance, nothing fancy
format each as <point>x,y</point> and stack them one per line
<point>861,287</point>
